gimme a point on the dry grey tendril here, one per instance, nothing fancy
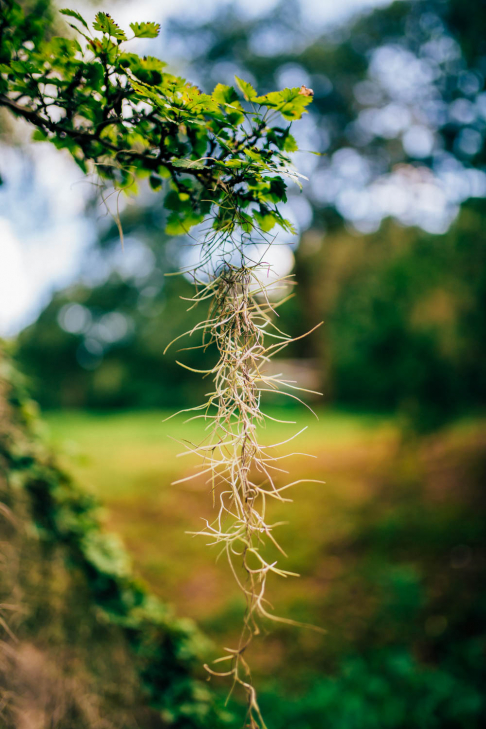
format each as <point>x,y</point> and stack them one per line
<point>241,471</point>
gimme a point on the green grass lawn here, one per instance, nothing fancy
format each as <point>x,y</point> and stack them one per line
<point>130,460</point>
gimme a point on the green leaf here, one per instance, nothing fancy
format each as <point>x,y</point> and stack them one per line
<point>63,47</point>
<point>151,63</point>
<point>174,225</point>
<point>290,145</point>
<point>246,222</point>
<point>273,190</point>
<point>148,69</point>
<point>177,201</point>
<point>145,30</point>
<point>273,99</point>
<point>39,136</point>
<point>105,23</point>
<point>164,172</point>
<point>188,163</point>
<point>253,155</point>
<point>294,104</point>
<point>287,225</point>
<point>247,89</point>
<point>81,164</point>
<point>177,225</point>
<point>223,94</point>
<point>235,163</point>
<point>265,221</point>
<point>290,103</point>
<point>74,14</point>
<point>155,182</point>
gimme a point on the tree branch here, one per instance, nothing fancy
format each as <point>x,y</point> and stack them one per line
<point>151,162</point>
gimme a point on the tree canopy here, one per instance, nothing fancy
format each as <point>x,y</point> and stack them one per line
<point>126,117</point>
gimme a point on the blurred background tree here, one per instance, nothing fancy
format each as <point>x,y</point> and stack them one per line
<point>392,246</point>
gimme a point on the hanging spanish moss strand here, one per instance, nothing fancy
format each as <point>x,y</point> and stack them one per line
<point>243,474</point>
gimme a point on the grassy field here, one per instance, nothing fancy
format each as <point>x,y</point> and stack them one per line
<point>130,461</point>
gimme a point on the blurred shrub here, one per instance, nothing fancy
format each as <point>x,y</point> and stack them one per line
<point>103,347</point>
<point>404,329</point>
<point>408,328</point>
<point>385,690</point>
<point>80,597</point>
<point>412,595</point>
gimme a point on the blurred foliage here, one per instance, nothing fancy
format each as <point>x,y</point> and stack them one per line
<point>388,690</point>
<point>113,358</point>
<point>405,313</point>
<point>163,651</point>
<point>432,69</point>
<point>125,118</point>
<point>406,617</point>
<point>402,308</point>
<point>404,328</point>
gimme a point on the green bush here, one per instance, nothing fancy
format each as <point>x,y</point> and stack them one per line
<point>91,587</point>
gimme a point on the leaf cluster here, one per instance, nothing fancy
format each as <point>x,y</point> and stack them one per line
<point>225,154</point>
